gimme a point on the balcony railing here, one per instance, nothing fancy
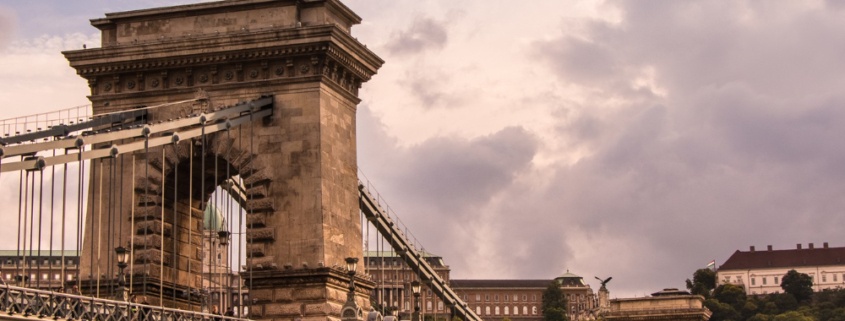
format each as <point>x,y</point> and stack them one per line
<point>39,303</point>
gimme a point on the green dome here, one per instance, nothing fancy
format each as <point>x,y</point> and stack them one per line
<point>213,219</point>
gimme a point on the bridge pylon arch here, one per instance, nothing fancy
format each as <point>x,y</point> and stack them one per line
<point>300,167</point>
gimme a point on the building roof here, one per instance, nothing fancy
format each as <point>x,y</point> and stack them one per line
<point>569,279</point>
<point>457,283</point>
<point>785,258</point>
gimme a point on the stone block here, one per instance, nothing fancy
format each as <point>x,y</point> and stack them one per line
<point>281,309</point>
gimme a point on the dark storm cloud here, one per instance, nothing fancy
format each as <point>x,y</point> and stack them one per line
<point>423,34</point>
<point>440,187</point>
<point>745,147</point>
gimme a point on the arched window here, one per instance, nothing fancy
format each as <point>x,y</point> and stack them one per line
<point>478,310</point>
<point>515,310</point>
<point>428,305</point>
<point>497,310</point>
<point>506,310</point>
<point>525,310</point>
<point>487,310</point>
<point>534,310</point>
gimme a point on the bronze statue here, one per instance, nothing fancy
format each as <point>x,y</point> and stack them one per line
<point>603,282</point>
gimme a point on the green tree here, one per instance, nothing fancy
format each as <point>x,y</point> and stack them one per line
<point>792,316</point>
<point>554,303</point>
<point>731,294</point>
<point>703,282</point>
<point>721,311</point>
<point>800,285</point>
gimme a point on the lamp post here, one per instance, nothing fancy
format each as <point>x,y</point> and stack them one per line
<point>122,255</point>
<point>415,287</point>
<point>350,310</point>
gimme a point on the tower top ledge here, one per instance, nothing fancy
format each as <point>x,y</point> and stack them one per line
<point>221,17</point>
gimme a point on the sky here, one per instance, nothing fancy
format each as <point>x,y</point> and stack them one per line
<point>632,139</point>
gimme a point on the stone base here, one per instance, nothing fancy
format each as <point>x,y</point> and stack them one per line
<point>154,293</point>
<point>303,294</point>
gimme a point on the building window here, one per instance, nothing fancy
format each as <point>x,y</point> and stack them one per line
<point>507,311</point>
<point>515,297</point>
<point>776,280</point>
<point>524,298</point>
<point>534,310</point>
<point>739,279</point>
<point>834,278</point>
<point>824,277</point>
<point>478,310</point>
<point>497,310</point>
<point>57,277</point>
<point>515,310</point>
<point>496,298</point>
<point>506,297</point>
<point>70,277</point>
<point>525,309</point>
<point>533,297</point>
<point>487,310</point>
<point>46,262</point>
<point>753,281</point>
<point>8,276</point>
<point>428,305</point>
<point>764,280</point>
<point>487,297</point>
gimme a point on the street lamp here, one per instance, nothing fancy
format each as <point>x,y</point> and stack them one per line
<point>122,255</point>
<point>415,288</point>
<point>223,237</point>
<point>350,310</point>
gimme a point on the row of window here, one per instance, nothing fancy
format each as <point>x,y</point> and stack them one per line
<point>505,297</point>
<point>507,311</point>
<point>834,277</point>
<point>44,276</point>
<point>44,262</point>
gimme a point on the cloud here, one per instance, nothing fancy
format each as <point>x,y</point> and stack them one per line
<point>444,179</point>
<point>732,143</point>
<point>8,22</point>
<point>422,35</point>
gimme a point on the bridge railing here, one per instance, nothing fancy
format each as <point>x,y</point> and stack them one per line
<point>41,304</point>
<point>413,258</point>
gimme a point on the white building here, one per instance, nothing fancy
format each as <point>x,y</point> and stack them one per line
<point>760,272</point>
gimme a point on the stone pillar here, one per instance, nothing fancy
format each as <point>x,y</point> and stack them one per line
<point>299,165</point>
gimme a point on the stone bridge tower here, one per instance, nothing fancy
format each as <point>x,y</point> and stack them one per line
<point>299,165</point>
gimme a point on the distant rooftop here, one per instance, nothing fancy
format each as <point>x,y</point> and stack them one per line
<point>797,257</point>
<point>466,283</point>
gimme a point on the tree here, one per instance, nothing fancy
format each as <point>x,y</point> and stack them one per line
<point>731,294</point>
<point>554,303</point>
<point>800,285</point>
<point>703,282</point>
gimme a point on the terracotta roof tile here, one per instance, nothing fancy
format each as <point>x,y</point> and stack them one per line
<point>785,258</point>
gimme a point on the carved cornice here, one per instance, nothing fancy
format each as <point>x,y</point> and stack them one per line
<point>282,56</point>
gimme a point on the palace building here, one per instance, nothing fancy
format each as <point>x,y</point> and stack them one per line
<point>760,272</point>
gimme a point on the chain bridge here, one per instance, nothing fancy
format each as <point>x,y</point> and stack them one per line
<point>222,125</point>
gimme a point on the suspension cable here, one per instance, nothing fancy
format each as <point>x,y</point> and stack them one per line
<point>40,222</point>
<point>161,239</point>
<point>21,205</point>
<point>63,272</point>
<point>175,229</point>
<point>241,237</point>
